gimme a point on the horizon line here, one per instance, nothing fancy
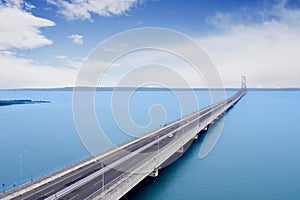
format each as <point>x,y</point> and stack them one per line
<point>130,87</point>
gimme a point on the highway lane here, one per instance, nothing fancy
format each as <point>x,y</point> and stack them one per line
<point>61,183</point>
<point>90,187</point>
<point>126,167</point>
<point>48,190</point>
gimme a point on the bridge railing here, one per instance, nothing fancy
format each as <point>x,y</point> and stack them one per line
<point>125,181</point>
<point>129,180</point>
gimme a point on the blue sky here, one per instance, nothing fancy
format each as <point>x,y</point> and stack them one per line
<point>43,43</point>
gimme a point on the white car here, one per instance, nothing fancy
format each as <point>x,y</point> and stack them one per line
<point>170,135</point>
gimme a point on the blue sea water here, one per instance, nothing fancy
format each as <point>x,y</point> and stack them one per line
<point>256,157</point>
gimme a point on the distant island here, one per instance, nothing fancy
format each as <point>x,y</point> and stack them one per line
<point>22,101</point>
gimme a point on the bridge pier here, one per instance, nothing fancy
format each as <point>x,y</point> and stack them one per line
<point>154,173</point>
<point>180,150</point>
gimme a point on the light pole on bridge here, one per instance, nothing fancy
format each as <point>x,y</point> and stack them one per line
<point>102,166</point>
<point>102,181</point>
<point>21,165</point>
<point>157,138</point>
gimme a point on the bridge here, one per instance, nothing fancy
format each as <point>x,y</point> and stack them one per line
<point>111,174</point>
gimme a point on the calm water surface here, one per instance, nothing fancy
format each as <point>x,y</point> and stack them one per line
<point>257,156</point>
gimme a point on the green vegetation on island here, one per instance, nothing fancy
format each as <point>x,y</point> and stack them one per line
<point>22,101</point>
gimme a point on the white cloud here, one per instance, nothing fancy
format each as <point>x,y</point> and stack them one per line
<point>20,29</point>
<point>142,66</point>
<point>83,9</point>
<point>24,73</point>
<point>76,39</point>
<point>267,53</point>
<point>17,4</point>
<point>61,57</point>
<point>72,63</point>
<point>28,6</point>
<point>13,3</point>
<point>246,16</point>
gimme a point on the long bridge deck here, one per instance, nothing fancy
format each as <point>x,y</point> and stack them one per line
<point>111,174</point>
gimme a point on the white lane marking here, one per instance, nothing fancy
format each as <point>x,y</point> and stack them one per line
<point>98,182</point>
<point>48,192</point>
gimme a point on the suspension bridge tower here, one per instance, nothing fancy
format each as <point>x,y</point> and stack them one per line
<point>244,83</point>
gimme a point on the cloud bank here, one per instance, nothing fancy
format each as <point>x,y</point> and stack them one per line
<point>84,9</point>
<point>265,50</point>
<point>262,43</point>
<point>20,30</point>
<point>18,72</point>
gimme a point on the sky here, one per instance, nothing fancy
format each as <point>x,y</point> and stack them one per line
<point>44,43</point>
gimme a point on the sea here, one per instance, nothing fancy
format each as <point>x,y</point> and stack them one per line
<point>257,155</point>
